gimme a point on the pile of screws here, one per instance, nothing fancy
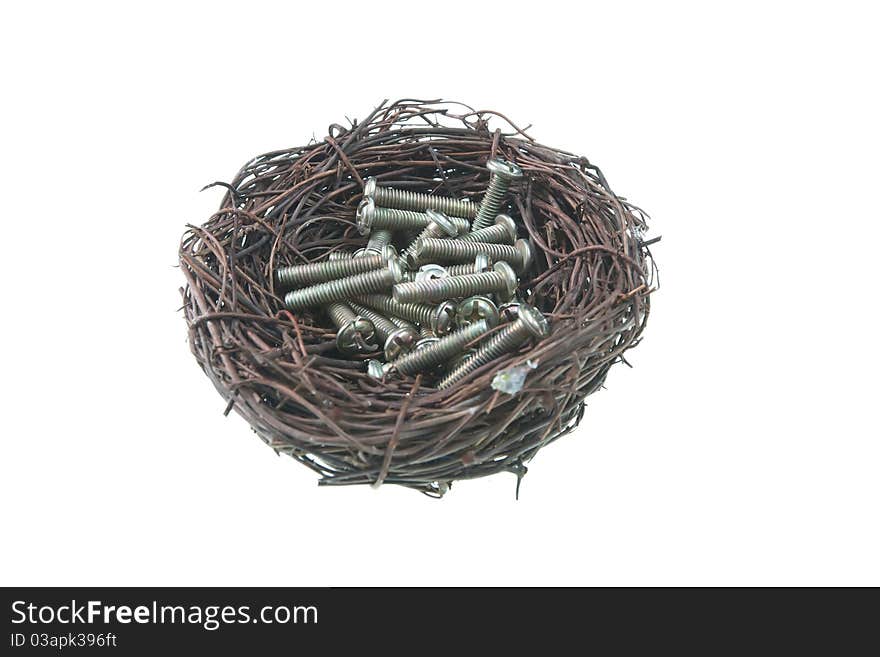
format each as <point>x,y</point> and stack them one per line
<point>438,302</point>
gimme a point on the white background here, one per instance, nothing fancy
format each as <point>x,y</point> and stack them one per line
<point>741,449</point>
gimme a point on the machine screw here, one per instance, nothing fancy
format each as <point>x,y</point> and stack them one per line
<point>430,272</point>
<point>379,241</point>
<point>345,288</point>
<point>396,340</point>
<point>319,272</point>
<point>371,218</point>
<point>474,309</point>
<point>503,231</point>
<point>481,263</point>
<point>502,174</point>
<point>405,200</point>
<point>353,334</point>
<point>519,255</point>
<point>377,369</point>
<point>440,226</point>
<point>440,318</point>
<point>530,324</point>
<point>508,312</point>
<point>441,351</point>
<point>501,280</point>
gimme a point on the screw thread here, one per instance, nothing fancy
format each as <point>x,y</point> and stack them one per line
<point>406,200</point>
<point>319,272</point>
<point>491,203</point>
<point>343,288</point>
<point>402,323</point>
<point>441,351</point>
<point>450,287</point>
<point>397,220</point>
<point>507,339</point>
<point>433,229</point>
<point>461,269</point>
<point>434,250</point>
<point>379,239</point>
<point>415,312</point>
<point>341,314</point>
<point>495,234</point>
<point>384,326</point>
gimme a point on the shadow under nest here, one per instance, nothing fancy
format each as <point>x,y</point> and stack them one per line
<point>592,277</point>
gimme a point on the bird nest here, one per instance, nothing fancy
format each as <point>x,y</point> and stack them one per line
<point>591,277</point>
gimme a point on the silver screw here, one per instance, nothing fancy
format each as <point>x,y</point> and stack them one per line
<point>519,255</point>
<point>319,272</point>
<point>440,319</point>
<point>440,226</point>
<point>474,309</point>
<point>371,218</point>
<point>502,173</point>
<point>440,351</point>
<point>508,312</point>
<point>481,263</point>
<point>379,242</point>
<point>406,200</point>
<point>396,340</point>
<point>345,288</point>
<point>530,324</point>
<point>503,231</point>
<point>353,334</point>
<point>501,280</point>
<point>430,272</point>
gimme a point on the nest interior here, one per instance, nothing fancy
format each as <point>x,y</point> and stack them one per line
<point>592,277</point>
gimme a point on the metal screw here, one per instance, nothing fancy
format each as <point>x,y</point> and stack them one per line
<point>319,272</point>
<point>377,369</point>
<point>502,173</point>
<point>530,324</point>
<point>508,312</point>
<point>396,340</point>
<point>430,272</point>
<point>439,318</point>
<point>519,255</point>
<point>370,218</point>
<point>474,309</point>
<point>481,263</point>
<point>503,231</point>
<point>406,200</point>
<point>345,288</point>
<point>501,280</point>
<point>379,241</point>
<point>353,334</point>
<point>440,351</point>
<point>440,226</point>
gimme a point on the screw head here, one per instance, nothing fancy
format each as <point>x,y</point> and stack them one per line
<point>370,188</point>
<point>431,273</point>
<point>364,215</point>
<point>509,311</point>
<point>355,336</point>
<point>443,221</point>
<point>525,254</point>
<point>475,308</point>
<point>504,169</point>
<point>399,342</point>
<point>509,278</point>
<point>424,342</point>
<point>534,320</point>
<point>482,263</point>
<point>508,222</point>
<point>375,368</point>
<point>397,270</point>
<point>444,318</point>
